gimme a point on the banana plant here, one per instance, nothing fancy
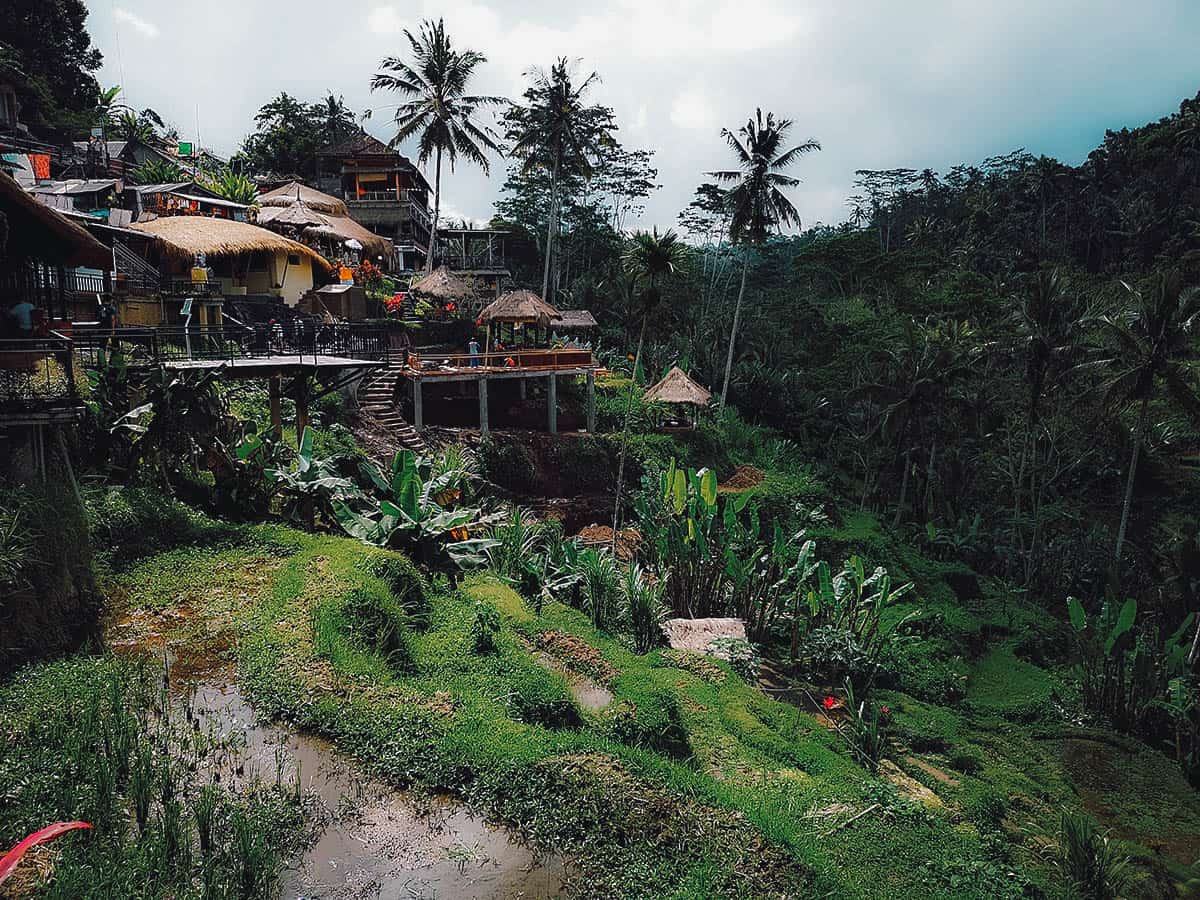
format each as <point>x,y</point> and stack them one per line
<point>410,516</point>
<point>312,484</point>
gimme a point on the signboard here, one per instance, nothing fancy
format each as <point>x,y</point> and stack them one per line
<point>187,307</point>
<point>185,148</point>
<point>97,131</point>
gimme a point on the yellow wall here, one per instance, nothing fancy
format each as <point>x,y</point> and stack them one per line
<point>297,280</point>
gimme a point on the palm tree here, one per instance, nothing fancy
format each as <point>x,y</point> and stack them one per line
<point>1152,341</point>
<point>1049,322</point>
<point>757,198</point>
<point>647,258</point>
<point>922,372</point>
<point>440,109</point>
<point>560,132</point>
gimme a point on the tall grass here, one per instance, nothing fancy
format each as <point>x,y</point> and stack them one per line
<point>91,739</point>
<point>1092,868</point>
<point>642,595</point>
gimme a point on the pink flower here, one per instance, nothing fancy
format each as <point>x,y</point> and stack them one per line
<point>829,702</point>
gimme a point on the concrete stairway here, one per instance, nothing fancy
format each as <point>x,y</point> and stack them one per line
<point>377,399</point>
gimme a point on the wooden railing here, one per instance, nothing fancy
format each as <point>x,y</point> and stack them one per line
<point>297,338</point>
<point>37,373</point>
<point>524,360</point>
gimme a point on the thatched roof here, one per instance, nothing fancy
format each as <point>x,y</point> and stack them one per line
<point>39,232</point>
<point>677,387</point>
<point>518,307</point>
<point>298,215</point>
<point>294,191</point>
<point>442,284</point>
<point>574,320</point>
<point>186,236</point>
<point>341,228</point>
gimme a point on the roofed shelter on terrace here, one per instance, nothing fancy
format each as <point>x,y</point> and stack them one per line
<point>678,389</point>
<point>512,362</point>
<point>246,259</point>
<point>323,221</point>
<point>37,383</point>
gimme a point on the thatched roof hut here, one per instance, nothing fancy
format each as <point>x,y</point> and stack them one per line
<point>677,387</point>
<point>294,191</point>
<point>185,236</point>
<point>298,215</point>
<point>320,216</point>
<point>519,307</point>
<point>341,229</point>
<point>575,320</point>
<point>442,284</point>
<point>36,231</point>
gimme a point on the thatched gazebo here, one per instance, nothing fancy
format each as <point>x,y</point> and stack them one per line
<point>321,218</point>
<point>519,308</point>
<point>298,215</point>
<point>442,284</point>
<point>515,308</point>
<point>676,388</point>
<point>294,192</point>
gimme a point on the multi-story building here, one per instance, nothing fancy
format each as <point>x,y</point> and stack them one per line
<point>384,192</point>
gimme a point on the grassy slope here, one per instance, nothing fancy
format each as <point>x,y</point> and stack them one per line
<point>728,819</point>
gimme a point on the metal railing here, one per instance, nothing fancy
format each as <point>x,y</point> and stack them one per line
<point>37,373</point>
<point>505,360</point>
<point>297,339</point>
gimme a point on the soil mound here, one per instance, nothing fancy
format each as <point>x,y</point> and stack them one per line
<point>743,478</point>
<point>627,540</point>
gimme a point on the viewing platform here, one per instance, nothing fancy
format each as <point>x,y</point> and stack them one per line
<point>437,368</point>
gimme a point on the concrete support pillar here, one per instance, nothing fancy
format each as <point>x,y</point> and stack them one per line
<point>552,402</point>
<point>591,402</point>
<point>521,386</point>
<point>418,412</point>
<point>483,406</point>
<point>274,388</point>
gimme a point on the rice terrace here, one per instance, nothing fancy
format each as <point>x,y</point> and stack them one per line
<point>676,450</point>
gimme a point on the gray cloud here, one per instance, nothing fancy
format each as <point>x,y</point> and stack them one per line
<point>879,83</point>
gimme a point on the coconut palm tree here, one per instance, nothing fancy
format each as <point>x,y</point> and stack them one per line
<point>559,132</point>
<point>1152,341</point>
<point>1049,322</point>
<point>759,205</point>
<point>921,373</point>
<point>440,109</point>
<point>648,257</point>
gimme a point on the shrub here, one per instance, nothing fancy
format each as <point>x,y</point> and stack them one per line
<point>379,619</point>
<point>485,625</point>
<point>643,605</point>
<point>986,807</point>
<point>832,655</point>
<point>1091,867</point>
<point>652,719</point>
<point>864,731</point>
<point>542,699</point>
<point>740,654</point>
<point>508,464</point>
<point>401,577</point>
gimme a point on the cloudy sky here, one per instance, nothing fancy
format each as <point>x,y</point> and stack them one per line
<point>879,83</point>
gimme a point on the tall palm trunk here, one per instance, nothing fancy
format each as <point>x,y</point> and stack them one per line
<point>437,208</point>
<point>637,358</point>
<point>551,228</point>
<point>1138,437</point>
<point>437,205</point>
<point>737,315</point>
<point>903,487</point>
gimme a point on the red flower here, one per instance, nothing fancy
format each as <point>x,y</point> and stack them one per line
<point>829,702</point>
<point>886,710</point>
